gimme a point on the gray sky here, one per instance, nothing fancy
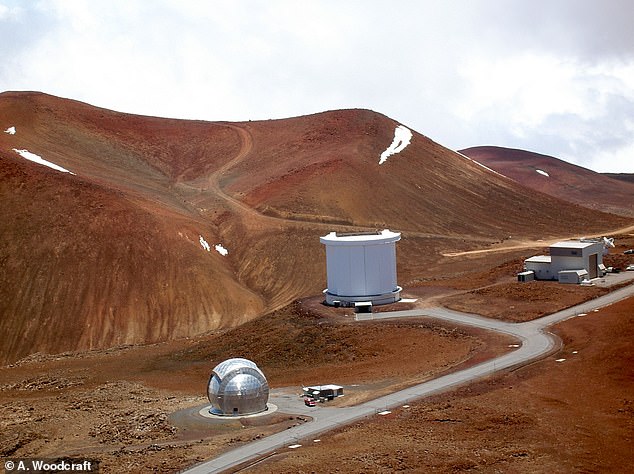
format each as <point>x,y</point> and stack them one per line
<point>551,76</point>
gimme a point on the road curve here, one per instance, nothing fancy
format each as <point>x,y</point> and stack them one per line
<point>246,139</point>
<point>536,343</point>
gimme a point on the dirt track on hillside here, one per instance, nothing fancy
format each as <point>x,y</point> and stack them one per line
<point>111,257</point>
<point>535,243</point>
<point>112,254</point>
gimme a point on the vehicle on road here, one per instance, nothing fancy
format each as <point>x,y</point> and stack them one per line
<point>537,342</point>
<point>309,402</point>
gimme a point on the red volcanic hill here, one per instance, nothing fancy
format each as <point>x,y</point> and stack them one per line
<point>558,178</point>
<point>116,253</point>
<point>628,177</point>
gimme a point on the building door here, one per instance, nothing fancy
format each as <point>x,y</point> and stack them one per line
<point>593,271</point>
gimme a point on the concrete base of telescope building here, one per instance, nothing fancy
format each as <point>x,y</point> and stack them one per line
<point>349,301</point>
<point>207,412</point>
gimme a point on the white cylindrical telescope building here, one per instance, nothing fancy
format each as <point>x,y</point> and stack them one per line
<point>361,267</point>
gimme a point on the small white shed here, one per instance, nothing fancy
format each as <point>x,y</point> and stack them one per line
<point>540,266</point>
<point>572,276</point>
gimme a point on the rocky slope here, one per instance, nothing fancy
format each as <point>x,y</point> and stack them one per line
<point>123,251</point>
<point>558,178</point>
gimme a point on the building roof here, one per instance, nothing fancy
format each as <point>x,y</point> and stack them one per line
<point>539,259</point>
<point>573,244</point>
<point>324,387</point>
<point>580,272</point>
<point>384,236</point>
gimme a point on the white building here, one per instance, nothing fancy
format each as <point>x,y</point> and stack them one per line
<point>361,268</point>
<point>323,391</point>
<point>568,262</point>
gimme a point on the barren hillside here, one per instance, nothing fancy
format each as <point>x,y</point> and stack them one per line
<point>627,177</point>
<point>558,178</point>
<point>123,251</point>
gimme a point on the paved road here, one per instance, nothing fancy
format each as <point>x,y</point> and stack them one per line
<point>535,343</point>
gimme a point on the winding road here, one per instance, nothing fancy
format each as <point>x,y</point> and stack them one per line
<point>251,215</point>
<point>536,342</point>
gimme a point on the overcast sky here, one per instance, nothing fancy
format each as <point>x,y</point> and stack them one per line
<point>551,76</point>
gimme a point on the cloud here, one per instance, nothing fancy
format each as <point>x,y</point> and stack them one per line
<point>556,107</point>
<point>21,27</point>
<point>585,29</point>
<point>553,77</point>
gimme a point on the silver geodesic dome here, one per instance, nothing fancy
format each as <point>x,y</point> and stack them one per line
<point>237,387</point>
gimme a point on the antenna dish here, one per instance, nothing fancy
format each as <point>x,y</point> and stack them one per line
<point>607,244</point>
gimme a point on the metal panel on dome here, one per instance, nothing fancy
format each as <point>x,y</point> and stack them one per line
<point>229,365</point>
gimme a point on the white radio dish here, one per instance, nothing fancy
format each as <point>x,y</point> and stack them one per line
<point>608,242</point>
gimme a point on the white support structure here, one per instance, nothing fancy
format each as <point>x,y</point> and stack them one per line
<point>361,268</point>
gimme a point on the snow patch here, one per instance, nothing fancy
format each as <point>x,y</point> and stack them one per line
<point>384,412</point>
<point>408,300</point>
<point>402,138</point>
<point>560,360</point>
<point>40,161</point>
<point>204,244</point>
<point>480,164</point>
<point>294,446</point>
<point>221,250</point>
<point>542,172</point>
<point>10,131</point>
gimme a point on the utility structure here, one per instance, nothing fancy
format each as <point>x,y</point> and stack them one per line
<point>570,261</point>
<point>361,269</point>
<point>323,392</point>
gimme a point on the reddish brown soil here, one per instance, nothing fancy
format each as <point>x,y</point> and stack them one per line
<point>617,258</point>
<point>110,258</point>
<point>309,171</point>
<point>519,302</point>
<point>628,177</point>
<point>565,181</point>
<point>119,406</point>
<point>112,255</point>
<point>124,413</point>
<point>497,294</point>
<point>570,416</point>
